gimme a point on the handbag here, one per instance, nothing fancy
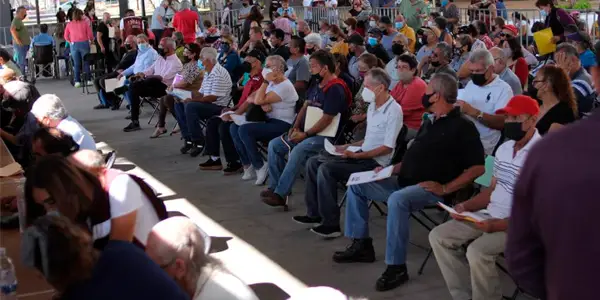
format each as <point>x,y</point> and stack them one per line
<point>255,113</point>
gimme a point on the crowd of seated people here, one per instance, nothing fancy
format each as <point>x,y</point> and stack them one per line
<point>432,102</point>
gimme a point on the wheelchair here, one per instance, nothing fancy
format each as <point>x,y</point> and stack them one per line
<point>42,61</point>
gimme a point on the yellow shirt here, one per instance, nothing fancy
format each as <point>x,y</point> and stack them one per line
<point>341,48</point>
<point>409,33</point>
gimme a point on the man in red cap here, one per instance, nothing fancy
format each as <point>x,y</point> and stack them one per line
<point>486,226</point>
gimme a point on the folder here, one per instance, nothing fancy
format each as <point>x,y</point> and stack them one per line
<point>543,41</point>
<point>313,115</point>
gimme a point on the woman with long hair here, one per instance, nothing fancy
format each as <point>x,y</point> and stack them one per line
<point>558,103</point>
<point>79,35</point>
<point>516,59</point>
<point>254,19</point>
<point>338,40</point>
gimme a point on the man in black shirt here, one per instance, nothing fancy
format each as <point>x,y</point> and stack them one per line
<point>445,156</point>
<point>103,40</point>
<point>110,100</point>
<point>277,45</point>
<point>70,11</point>
<point>374,45</point>
<point>60,16</point>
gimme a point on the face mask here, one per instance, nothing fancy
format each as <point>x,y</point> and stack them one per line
<point>399,25</point>
<point>435,64</point>
<point>383,31</point>
<point>310,51</point>
<point>444,3</point>
<point>405,76</point>
<point>265,72</point>
<point>368,95</point>
<point>430,24</point>
<point>397,49</point>
<point>200,65</point>
<point>301,34</point>
<point>543,13</point>
<point>245,4</point>
<point>372,23</point>
<point>128,47</point>
<point>478,79</point>
<point>372,41</point>
<point>333,39</point>
<point>425,100</point>
<point>362,74</point>
<point>514,131</point>
<point>161,51</point>
<point>143,47</point>
<point>186,60</point>
<point>246,67</point>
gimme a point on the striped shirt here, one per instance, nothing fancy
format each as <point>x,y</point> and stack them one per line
<point>217,83</point>
<point>506,171</point>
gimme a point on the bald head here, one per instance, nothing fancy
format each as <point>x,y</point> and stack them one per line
<point>500,59</point>
<point>89,159</point>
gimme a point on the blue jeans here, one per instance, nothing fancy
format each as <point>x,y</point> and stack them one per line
<point>281,174</point>
<point>21,56</point>
<point>181,120</point>
<point>196,111</point>
<point>245,138</point>
<point>401,201</point>
<point>78,52</point>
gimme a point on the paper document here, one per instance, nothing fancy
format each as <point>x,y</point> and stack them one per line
<point>113,83</point>
<point>111,32</point>
<point>330,148</point>
<point>313,115</point>
<point>227,113</point>
<point>370,176</point>
<point>11,169</point>
<point>181,94</point>
<point>477,216</point>
<point>239,120</point>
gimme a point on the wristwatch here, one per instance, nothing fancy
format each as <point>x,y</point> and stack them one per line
<point>480,116</point>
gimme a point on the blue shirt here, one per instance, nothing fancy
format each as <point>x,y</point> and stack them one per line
<point>159,11</point>
<point>588,59</point>
<point>143,61</point>
<point>42,39</point>
<point>386,42</point>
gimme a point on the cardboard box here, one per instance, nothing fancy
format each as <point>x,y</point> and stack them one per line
<point>9,186</point>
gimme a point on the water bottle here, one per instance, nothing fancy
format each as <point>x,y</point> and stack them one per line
<point>8,278</point>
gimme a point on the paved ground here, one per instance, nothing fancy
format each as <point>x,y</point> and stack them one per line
<point>259,242</point>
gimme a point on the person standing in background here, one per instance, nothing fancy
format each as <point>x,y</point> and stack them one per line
<point>158,21</point>
<point>21,39</point>
<point>79,34</point>
<point>186,22</point>
<point>61,17</point>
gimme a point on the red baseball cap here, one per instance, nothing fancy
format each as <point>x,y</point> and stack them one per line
<point>520,105</point>
<point>511,28</point>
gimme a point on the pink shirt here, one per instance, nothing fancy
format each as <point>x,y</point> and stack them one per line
<point>167,68</point>
<point>409,97</point>
<point>78,31</point>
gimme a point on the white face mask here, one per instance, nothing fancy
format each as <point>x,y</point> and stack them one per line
<point>265,72</point>
<point>368,95</point>
<point>372,24</point>
<point>430,24</point>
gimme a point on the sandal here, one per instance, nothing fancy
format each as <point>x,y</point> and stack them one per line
<point>158,132</point>
<point>175,130</point>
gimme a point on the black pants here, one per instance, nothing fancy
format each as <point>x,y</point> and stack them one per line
<point>217,132</point>
<point>111,98</point>
<point>157,36</point>
<point>147,87</point>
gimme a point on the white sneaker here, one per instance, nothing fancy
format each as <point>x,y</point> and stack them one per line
<point>77,84</point>
<point>248,173</point>
<point>261,174</point>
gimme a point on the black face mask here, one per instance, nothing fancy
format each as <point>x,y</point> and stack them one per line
<point>435,64</point>
<point>246,67</point>
<point>161,52</point>
<point>302,34</point>
<point>333,39</point>
<point>425,100</point>
<point>245,4</point>
<point>186,60</point>
<point>397,49</point>
<point>514,131</point>
<point>317,77</point>
<point>310,51</point>
<point>128,47</point>
<point>478,79</point>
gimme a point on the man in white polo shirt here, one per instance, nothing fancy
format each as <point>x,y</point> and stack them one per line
<point>483,96</point>
<point>51,112</point>
<point>486,239</point>
<point>323,172</point>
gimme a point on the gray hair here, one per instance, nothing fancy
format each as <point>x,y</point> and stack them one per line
<point>445,85</point>
<point>209,53</point>
<point>277,63</point>
<point>379,76</point>
<point>50,106</point>
<point>142,37</point>
<point>314,39</point>
<point>445,49</point>
<point>500,53</point>
<point>482,55</point>
<point>89,159</point>
<point>170,43</point>
<point>568,49</point>
<point>185,4</point>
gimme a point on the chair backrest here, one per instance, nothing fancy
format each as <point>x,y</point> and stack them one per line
<point>401,145</point>
<point>43,54</point>
<point>486,179</point>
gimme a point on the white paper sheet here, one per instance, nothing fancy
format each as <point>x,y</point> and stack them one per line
<point>227,113</point>
<point>239,120</point>
<point>11,169</point>
<point>477,216</point>
<point>113,83</point>
<point>330,148</point>
<point>313,115</point>
<point>370,176</point>
<point>181,94</point>
<point>111,32</point>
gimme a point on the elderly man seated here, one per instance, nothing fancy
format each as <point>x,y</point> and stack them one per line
<point>144,59</point>
<point>437,62</point>
<point>180,248</point>
<point>51,112</point>
<point>504,72</point>
<point>483,96</point>
<point>215,95</point>
<point>485,239</point>
<point>153,82</point>
<point>567,58</point>
<point>323,172</point>
<point>446,155</point>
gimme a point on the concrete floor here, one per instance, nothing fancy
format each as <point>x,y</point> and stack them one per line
<point>262,245</point>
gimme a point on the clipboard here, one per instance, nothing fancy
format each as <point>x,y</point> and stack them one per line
<point>543,41</point>
<point>314,114</point>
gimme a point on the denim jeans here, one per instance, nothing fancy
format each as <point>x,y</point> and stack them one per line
<point>281,174</point>
<point>401,201</point>
<point>181,120</point>
<point>196,111</point>
<point>21,56</point>
<point>78,52</point>
<point>217,133</point>
<point>245,138</point>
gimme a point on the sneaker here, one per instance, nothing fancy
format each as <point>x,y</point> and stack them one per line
<point>233,168</point>
<point>361,250</point>
<point>89,83</point>
<point>158,132</point>
<point>77,85</point>
<point>327,231</point>
<point>187,146</point>
<point>249,173</point>
<point>133,126</point>
<point>101,106</point>
<point>211,164</point>
<point>261,174</point>
<point>307,220</point>
<point>393,277</point>
<point>197,149</point>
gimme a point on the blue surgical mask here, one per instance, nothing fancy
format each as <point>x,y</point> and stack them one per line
<point>399,25</point>
<point>372,41</point>
<point>543,13</point>
<point>444,3</point>
<point>143,47</point>
<point>200,65</point>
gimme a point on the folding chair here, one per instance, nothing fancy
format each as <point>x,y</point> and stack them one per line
<point>96,63</point>
<point>62,55</point>
<point>42,59</point>
<point>153,102</point>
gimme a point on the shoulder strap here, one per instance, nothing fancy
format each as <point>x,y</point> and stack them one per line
<point>583,87</point>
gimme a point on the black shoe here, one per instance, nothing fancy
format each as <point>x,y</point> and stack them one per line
<point>197,149</point>
<point>211,164</point>
<point>101,106</point>
<point>121,90</point>
<point>233,168</point>
<point>327,231</point>
<point>114,107</point>
<point>393,277</point>
<point>307,220</point>
<point>133,126</point>
<point>187,146</point>
<point>361,250</point>
<point>128,106</point>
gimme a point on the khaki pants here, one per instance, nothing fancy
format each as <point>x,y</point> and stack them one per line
<point>470,275</point>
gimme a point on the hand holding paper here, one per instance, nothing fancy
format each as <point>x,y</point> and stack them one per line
<point>333,150</point>
<point>474,217</point>
<point>370,176</point>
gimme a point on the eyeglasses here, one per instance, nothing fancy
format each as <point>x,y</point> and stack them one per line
<point>536,81</point>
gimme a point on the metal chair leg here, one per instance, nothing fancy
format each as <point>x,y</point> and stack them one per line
<point>429,253</point>
<point>343,200</point>
<point>156,107</point>
<point>372,203</point>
